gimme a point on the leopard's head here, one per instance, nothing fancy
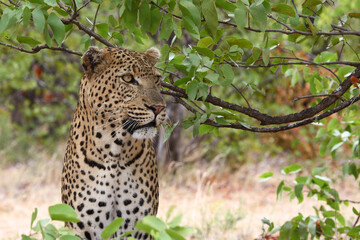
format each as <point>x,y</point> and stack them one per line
<point>123,90</point>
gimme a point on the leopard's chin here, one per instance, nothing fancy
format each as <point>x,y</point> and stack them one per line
<point>144,132</point>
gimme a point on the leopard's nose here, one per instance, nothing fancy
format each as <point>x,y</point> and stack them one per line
<point>156,108</point>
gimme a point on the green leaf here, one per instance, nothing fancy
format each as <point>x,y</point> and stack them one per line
<point>333,124</point>
<point>224,4</point>
<point>47,36</point>
<point>199,119</point>
<point>39,19</point>
<point>346,169</point>
<point>103,29</point>
<point>69,237</point>
<point>355,211</point>
<point>40,224</point>
<point>25,237</point>
<point>26,16</point>
<point>266,176</point>
<point>329,213</point>
<point>259,16</point>
<point>191,89</point>
<point>33,217</point>
<point>169,130</point>
<point>188,9</point>
<point>51,3</point>
<point>204,129</point>
<point>154,223</point>
<point>145,16</point>
<point>317,171</point>
<point>112,21</point>
<point>336,146</point>
<point>293,168</point>
<point>256,53</point>
<point>205,52</point>
<point>213,77</point>
<point>205,42</point>
<point>298,191</point>
<point>112,228</point>
<point>118,36</point>
<point>340,218</point>
<point>285,9</point>
<point>190,26</point>
<point>174,235</point>
<point>240,42</point>
<point>63,212</point>
<point>27,40</point>
<point>266,56</point>
<point>166,26</point>
<point>354,14</point>
<point>326,57</point>
<point>228,73</point>
<point>210,15</point>
<point>177,219</point>
<point>240,15</point>
<point>57,27</point>
<point>60,11</point>
<point>155,20</point>
<point>279,190</point>
<point>308,6</point>
<point>353,170</point>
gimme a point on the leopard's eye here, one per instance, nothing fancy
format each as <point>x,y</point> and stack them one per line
<point>158,79</point>
<point>130,79</point>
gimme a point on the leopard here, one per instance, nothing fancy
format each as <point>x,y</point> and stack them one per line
<point>110,169</point>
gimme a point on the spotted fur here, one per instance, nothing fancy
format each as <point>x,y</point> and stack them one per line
<point>110,167</point>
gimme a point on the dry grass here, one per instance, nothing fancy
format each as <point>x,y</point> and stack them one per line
<point>217,203</point>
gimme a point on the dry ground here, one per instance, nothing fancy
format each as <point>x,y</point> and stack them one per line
<point>218,204</point>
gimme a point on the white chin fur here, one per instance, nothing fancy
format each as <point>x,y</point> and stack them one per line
<point>148,132</point>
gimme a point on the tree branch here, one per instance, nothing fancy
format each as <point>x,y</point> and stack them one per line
<point>38,48</point>
<point>296,119</point>
<point>291,125</point>
<point>88,31</point>
<point>287,32</point>
<point>318,95</point>
<point>4,4</point>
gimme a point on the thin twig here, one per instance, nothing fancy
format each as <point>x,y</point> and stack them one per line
<point>88,31</point>
<point>198,107</point>
<point>38,48</point>
<point>238,90</point>
<point>85,4</point>
<point>94,23</point>
<point>293,3</point>
<point>4,4</point>
<point>281,23</point>
<point>75,7</point>
<point>164,10</point>
<point>341,51</point>
<point>14,3</point>
<point>352,49</point>
<point>319,95</point>
<point>313,63</point>
<point>96,13</point>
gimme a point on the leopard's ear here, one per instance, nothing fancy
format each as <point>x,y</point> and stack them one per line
<point>152,55</point>
<point>93,61</point>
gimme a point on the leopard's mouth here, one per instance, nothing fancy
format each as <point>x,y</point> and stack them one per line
<point>132,126</point>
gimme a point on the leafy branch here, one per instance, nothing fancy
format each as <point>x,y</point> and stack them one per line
<point>301,118</point>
